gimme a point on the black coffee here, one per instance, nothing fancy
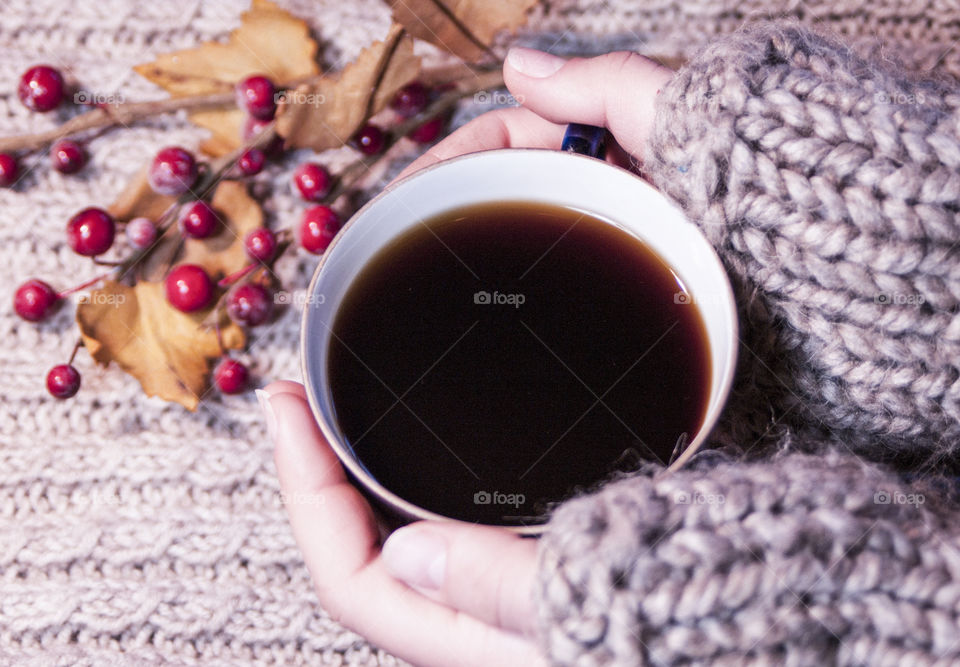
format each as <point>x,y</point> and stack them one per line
<point>499,357</point>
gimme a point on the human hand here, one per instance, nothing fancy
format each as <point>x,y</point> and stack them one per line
<point>448,593</point>
<point>616,91</point>
<point>438,593</point>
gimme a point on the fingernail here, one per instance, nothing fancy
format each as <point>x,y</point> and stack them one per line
<point>533,63</point>
<point>417,557</point>
<point>263,398</point>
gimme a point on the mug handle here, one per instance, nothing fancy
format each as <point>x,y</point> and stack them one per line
<point>585,139</point>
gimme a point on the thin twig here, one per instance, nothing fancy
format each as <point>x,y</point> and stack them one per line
<point>445,103</point>
<point>105,118</point>
<point>226,281</point>
<point>348,177</point>
<point>120,114</point>
<point>76,347</point>
<point>84,285</point>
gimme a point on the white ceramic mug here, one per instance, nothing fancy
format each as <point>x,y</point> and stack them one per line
<point>531,175</point>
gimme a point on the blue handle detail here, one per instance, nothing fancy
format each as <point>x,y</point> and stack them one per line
<point>585,139</point>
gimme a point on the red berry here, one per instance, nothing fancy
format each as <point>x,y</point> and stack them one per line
<point>35,300</point>
<point>141,232</point>
<point>251,162</point>
<point>198,220</point>
<point>261,244</point>
<point>90,232</point>
<point>249,304</point>
<point>256,94</point>
<point>318,227</point>
<point>173,171</point>
<point>9,170</point>
<point>410,99</point>
<point>189,288</point>
<point>63,381</point>
<point>231,376</point>
<point>369,140</point>
<point>312,181</point>
<point>253,127</point>
<point>41,88</point>
<point>428,132</point>
<point>68,157</point>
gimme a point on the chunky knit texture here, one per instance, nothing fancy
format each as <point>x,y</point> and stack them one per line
<point>132,532</point>
<point>798,561</point>
<point>831,188</point>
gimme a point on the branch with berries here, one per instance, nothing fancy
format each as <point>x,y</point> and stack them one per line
<point>188,257</point>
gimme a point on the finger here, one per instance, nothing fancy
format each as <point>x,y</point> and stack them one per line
<point>426,632</point>
<point>334,527</point>
<point>315,487</point>
<point>616,90</point>
<point>285,387</point>
<point>504,128</point>
<point>483,571</point>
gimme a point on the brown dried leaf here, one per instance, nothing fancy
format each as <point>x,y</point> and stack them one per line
<point>465,28</point>
<point>223,253</point>
<point>269,41</point>
<point>139,200</point>
<point>169,352</point>
<point>226,130</point>
<point>326,113</point>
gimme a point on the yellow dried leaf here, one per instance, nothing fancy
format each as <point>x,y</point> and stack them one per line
<point>168,351</point>
<point>220,254</point>
<point>226,130</point>
<point>139,200</point>
<point>269,41</point>
<point>326,113</point>
<point>223,253</point>
<point>465,28</point>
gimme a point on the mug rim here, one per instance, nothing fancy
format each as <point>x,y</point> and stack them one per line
<point>346,458</point>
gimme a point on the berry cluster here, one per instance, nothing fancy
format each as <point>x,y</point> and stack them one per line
<point>407,103</point>
<point>175,172</point>
<point>42,89</point>
<point>320,223</point>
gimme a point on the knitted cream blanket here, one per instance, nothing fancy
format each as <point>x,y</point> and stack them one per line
<point>132,531</point>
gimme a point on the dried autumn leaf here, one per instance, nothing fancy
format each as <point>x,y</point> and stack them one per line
<point>326,113</point>
<point>221,254</point>
<point>169,352</point>
<point>224,253</point>
<point>226,130</point>
<point>269,41</point>
<point>465,28</point>
<point>139,200</point>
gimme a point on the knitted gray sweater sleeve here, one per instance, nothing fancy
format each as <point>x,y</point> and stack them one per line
<point>830,187</point>
<point>809,560</point>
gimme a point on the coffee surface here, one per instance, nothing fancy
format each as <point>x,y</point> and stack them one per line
<point>498,358</point>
